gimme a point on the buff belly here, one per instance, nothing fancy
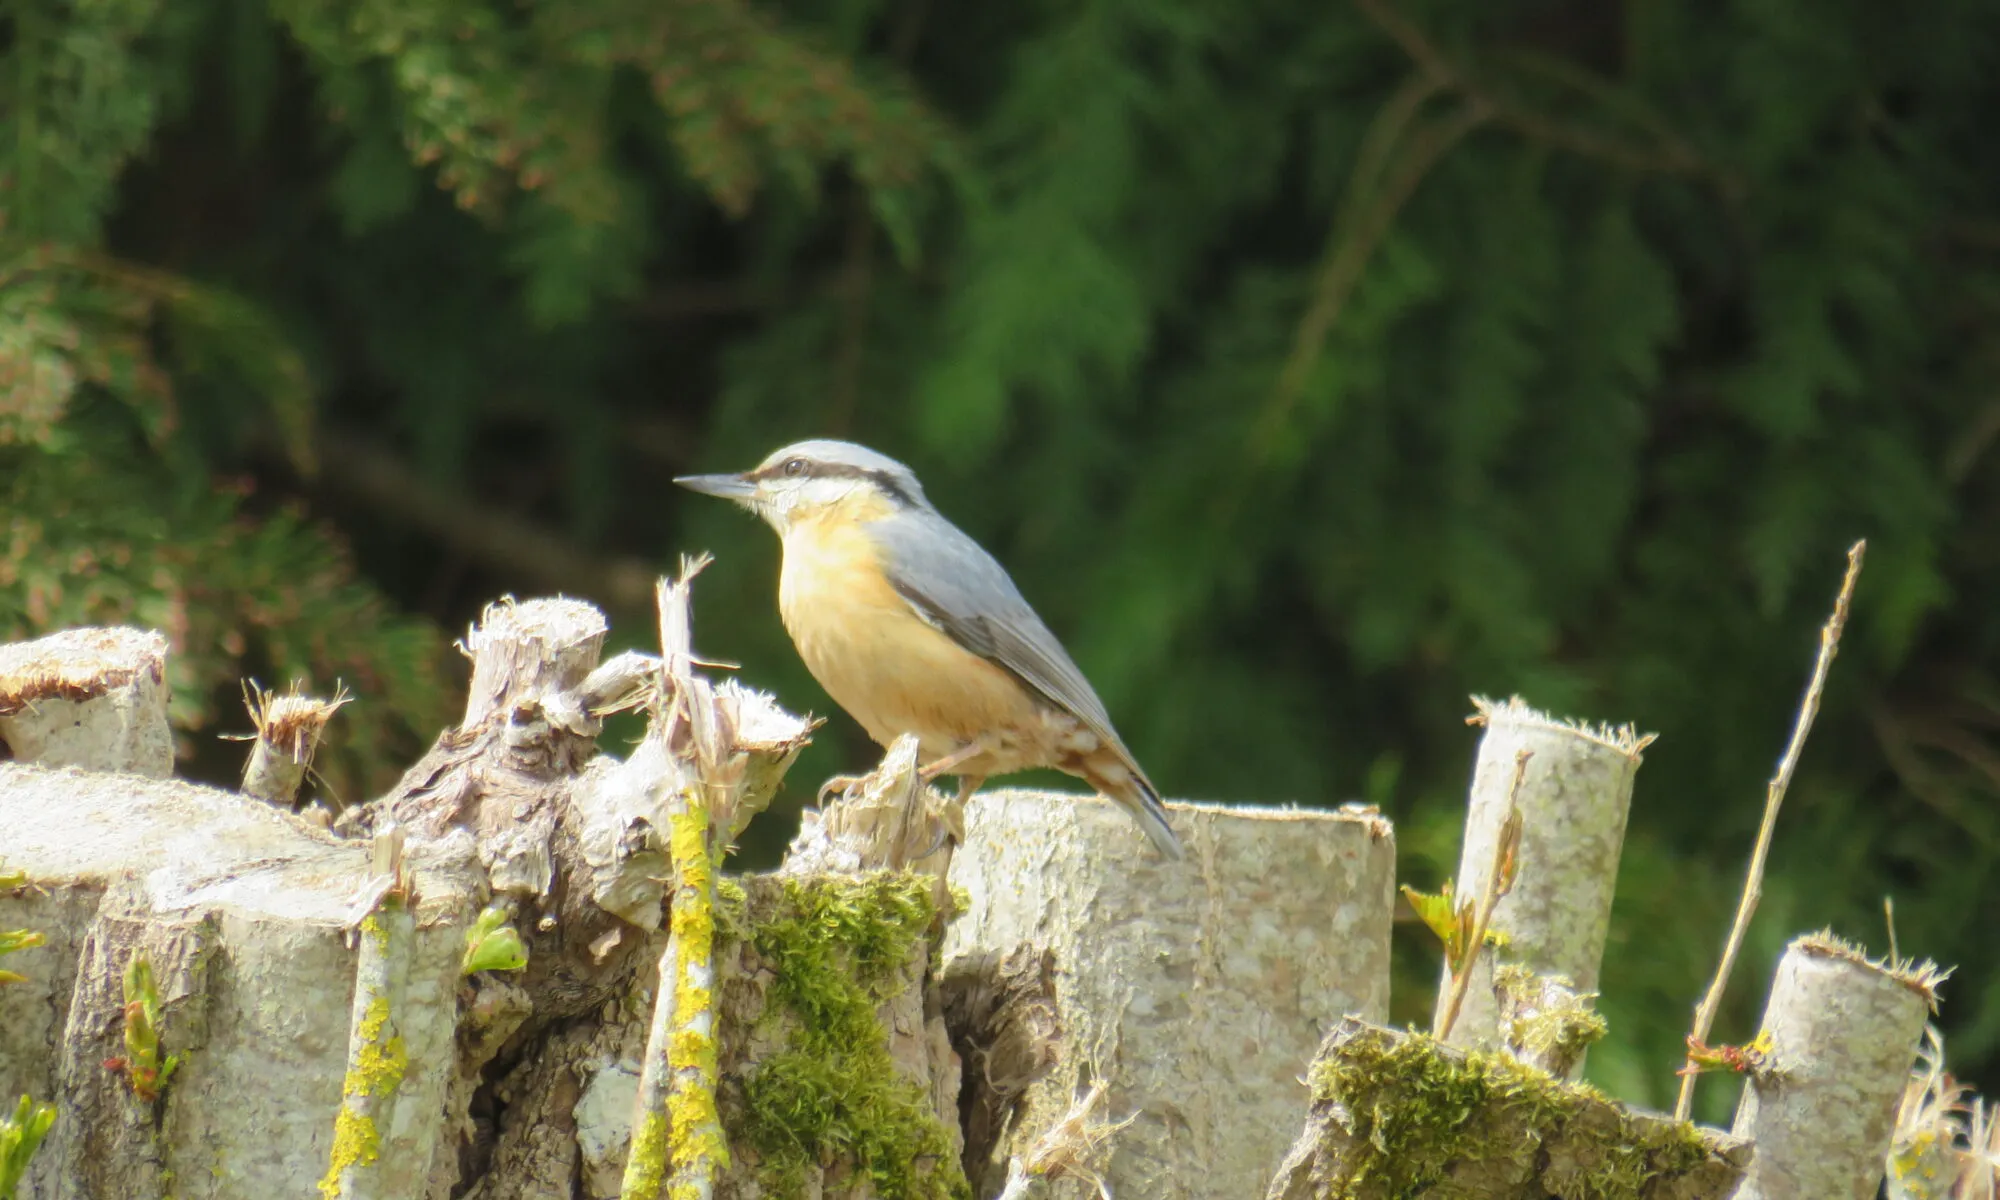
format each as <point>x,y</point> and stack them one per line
<point>895,673</point>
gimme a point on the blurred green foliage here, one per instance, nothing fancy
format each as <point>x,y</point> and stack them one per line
<point>1311,366</point>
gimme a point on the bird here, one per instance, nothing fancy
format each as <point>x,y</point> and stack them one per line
<point>912,627</point>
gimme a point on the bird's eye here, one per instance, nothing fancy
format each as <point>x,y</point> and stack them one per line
<point>795,467</point>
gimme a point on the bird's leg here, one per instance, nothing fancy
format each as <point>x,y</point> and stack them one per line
<point>967,784</point>
<point>944,766</point>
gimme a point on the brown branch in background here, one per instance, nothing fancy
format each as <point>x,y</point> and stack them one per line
<point>1774,797</point>
<point>1671,156</point>
<point>540,557</point>
<point>851,349</point>
<point>857,274</point>
<point>1357,231</point>
<point>1499,882</point>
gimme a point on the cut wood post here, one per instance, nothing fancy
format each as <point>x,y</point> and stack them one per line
<point>1394,1114</point>
<point>889,818</point>
<point>88,698</point>
<point>240,911</point>
<point>1843,1032</point>
<point>1573,802</point>
<point>524,650</point>
<point>1196,990</point>
<point>288,730</point>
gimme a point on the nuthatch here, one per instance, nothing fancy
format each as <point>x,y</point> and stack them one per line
<point>912,628</point>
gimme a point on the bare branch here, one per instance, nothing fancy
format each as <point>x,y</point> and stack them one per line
<point>1774,798</point>
<point>1498,881</point>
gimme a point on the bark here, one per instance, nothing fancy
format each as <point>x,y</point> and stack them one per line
<point>1398,1114</point>
<point>243,913</point>
<point>1573,801</point>
<point>88,698</point>
<point>1821,1105</point>
<point>1197,991</point>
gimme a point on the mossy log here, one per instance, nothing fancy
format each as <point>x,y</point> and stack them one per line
<point>1195,991</point>
<point>1397,1114</point>
<point>838,1079</point>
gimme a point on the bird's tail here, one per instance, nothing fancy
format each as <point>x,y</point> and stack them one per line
<point>1136,796</point>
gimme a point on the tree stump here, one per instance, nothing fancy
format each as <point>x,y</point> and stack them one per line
<point>1821,1101</point>
<point>1573,799</point>
<point>1195,991</point>
<point>89,698</point>
<point>242,912</point>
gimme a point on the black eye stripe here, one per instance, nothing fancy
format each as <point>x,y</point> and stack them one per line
<point>808,468</point>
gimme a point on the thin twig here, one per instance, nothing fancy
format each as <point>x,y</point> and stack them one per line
<point>1774,797</point>
<point>1498,883</point>
<point>678,1143</point>
<point>359,1164</point>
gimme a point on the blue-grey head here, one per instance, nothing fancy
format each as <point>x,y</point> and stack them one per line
<point>807,479</point>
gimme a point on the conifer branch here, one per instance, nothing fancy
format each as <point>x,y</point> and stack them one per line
<point>1356,233</point>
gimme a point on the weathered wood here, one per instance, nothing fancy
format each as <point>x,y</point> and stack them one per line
<point>242,911</point>
<point>1821,1105</point>
<point>288,729</point>
<point>1196,990</point>
<point>88,698</point>
<point>1573,801</point>
<point>791,1112</point>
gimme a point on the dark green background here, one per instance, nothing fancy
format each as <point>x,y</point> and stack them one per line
<point>1312,366</point>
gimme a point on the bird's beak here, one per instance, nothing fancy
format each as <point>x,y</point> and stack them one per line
<point>729,487</point>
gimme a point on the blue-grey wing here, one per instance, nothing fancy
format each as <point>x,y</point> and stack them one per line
<point>959,588</point>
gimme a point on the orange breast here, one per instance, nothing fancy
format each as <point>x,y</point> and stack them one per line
<point>893,672</point>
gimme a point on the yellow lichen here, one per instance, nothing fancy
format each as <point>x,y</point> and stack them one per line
<point>378,1071</point>
<point>647,1164</point>
<point>356,1142</point>
<point>694,1125</point>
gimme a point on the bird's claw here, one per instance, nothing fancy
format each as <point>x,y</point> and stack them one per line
<point>839,783</point>
<point>943,837</point>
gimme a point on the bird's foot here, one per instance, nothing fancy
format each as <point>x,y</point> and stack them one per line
<point>950,816</point>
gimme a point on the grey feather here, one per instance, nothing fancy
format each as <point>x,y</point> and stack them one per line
<point>958,587</point>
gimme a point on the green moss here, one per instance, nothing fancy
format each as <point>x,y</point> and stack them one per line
<point>1416,1111</point>
<point>836,946</point>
